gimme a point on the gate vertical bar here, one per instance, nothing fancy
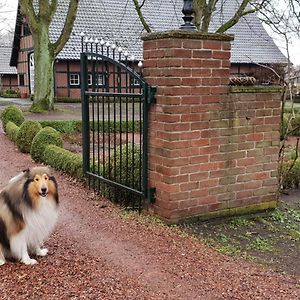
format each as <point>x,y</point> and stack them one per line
<point>85,114</point>
<point>145,138</point>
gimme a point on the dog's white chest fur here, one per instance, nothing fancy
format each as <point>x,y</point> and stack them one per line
<point>39,222</point>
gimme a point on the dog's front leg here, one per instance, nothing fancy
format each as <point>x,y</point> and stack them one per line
<point>2,257</point>
<point>41,251</point>
<point>19,249</point>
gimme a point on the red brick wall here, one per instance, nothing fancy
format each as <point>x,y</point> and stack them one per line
<point>210,150</point>
<point>8,82</point>
<point>26,46</point>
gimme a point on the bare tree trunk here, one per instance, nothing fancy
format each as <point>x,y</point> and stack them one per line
<point>43,71</point>
<point>45,51</point>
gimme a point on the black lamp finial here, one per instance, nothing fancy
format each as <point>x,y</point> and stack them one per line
<point>188,11</point>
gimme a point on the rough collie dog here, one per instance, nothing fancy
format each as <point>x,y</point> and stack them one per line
<point>28,213</point>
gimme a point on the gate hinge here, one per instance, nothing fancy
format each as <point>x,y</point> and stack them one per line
<point>151,94</point>
<point>151,195</point>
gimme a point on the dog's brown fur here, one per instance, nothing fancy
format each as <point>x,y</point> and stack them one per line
<point>22,195</point>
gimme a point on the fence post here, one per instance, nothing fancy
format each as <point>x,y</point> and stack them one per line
<point>205,143</point>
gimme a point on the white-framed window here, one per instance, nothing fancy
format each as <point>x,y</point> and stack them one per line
<point>135,82</point>
<point>90,79</point>
<point>100,81</point>
<point>74,79</point>
<point>31,72</point>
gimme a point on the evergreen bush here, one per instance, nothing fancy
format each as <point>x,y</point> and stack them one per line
<point>46,136</point>
<point>64,160</point>
<point>12,131</point>
<point>27,132</point>
<point>13,114</point>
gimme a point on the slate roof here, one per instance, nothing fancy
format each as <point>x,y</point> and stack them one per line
<point>117,21</point>
<point>5,68</point>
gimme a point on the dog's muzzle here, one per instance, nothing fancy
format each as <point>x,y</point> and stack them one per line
<point>43,192</point>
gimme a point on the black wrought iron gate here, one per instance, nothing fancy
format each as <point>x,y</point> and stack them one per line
<point>115,104</point>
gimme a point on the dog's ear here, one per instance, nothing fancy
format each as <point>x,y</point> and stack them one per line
<point>26,172</point>
<point>55,194</point>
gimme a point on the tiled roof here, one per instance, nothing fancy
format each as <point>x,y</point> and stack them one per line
<point>117,21</point>
<point>5,53</point>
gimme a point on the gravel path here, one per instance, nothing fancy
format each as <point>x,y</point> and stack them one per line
<point>98,252</point>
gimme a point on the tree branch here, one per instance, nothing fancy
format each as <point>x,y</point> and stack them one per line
<point>52,9</point>
<point>199,6</point>
<point>44,10</point>
<point>209,9</point>
<point>140,14</point>
<point>27,10</point>
<point>66,32</point>
<point>240,13</point>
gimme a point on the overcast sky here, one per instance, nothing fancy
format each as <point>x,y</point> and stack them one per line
<point>8,14</point>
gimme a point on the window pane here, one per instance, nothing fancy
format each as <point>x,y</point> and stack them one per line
<point>21,80</point>
<point>90,79</point>
<point>74,79</point>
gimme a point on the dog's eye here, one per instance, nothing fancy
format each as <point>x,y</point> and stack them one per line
<point>36,179</point>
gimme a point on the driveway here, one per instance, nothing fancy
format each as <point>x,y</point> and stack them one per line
<point>99,251</point>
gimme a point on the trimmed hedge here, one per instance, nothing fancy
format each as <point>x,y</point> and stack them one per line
<point>117,166</point>
<point>12,131</point>
<point>63,160</point>
<point>67,100</point>
<point>13,114</point>
<point>66,126</point>
<point>10,94</point>
<point>120,126</point>
<point>126,162</point>
<point>44,137</point>
<point>26,133</point>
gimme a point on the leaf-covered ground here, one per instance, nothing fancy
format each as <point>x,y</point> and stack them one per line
<point>271,238</point>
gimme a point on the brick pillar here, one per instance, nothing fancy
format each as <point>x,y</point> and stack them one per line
<point>194,155</point>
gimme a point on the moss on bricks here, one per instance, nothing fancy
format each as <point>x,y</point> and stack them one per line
<point>181,34</point>
<point>229,212</point>
<point>255,89</point>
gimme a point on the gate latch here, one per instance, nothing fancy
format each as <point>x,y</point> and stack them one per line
<point>151,195</point>
<point>151,94</point>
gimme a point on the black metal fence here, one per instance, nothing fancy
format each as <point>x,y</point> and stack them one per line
<point>115,104</point>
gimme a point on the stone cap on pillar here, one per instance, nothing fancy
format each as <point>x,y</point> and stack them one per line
<point>181,34</point>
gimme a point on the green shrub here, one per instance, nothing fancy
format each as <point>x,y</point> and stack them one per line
<point>119,126</point>
<point>11,91</point>
<point>13,114</point>
<point>27,132</point>
<point>125,164</point>
<point>63,126</point>
<point>124,168</point>
<point>66,126</point>
<point>46,136</point>
<point>288,109</point>
<point>67,100</point>
<point>294,127</point>
<point>12,131</point>
<point>291,176</point>
<point>296,99</point>
<point>10,94</point>
<point>64,160</point>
